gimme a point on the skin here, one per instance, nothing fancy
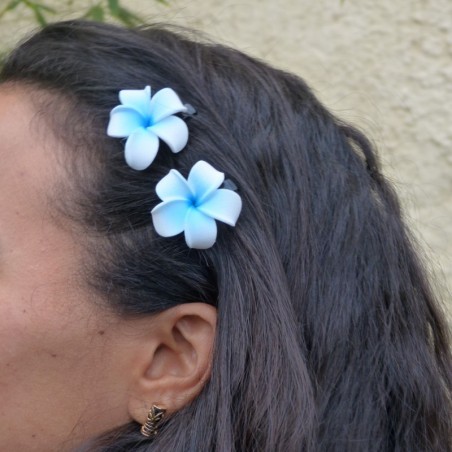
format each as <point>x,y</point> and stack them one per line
<point>68,369</point>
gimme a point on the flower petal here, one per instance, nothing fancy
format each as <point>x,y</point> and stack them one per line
<point>173,131</point>
<point>169,217</point>
<point>223,205</point>
<point>123,121</point>
<point>138,99</point>
<point>203,180</point>
<point>165,102</point>
<point>141,149</point>
<point>173,186</point>
<point>200,230</point>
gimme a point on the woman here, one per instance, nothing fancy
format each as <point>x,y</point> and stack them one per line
<point>309,326</point>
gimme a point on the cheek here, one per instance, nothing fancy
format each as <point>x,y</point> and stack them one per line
<point>43,316</point>
<point>51,354</point>
<point>39,344</point>
<point>32,322</point>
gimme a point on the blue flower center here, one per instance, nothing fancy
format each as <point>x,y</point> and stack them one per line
<point>193,202</point>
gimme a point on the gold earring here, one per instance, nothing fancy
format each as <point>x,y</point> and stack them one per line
<point>155,416</point>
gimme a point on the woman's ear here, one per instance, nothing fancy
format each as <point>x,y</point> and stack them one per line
<point>174,359</point>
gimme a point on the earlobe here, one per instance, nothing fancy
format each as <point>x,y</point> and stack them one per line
<point>174,359</point>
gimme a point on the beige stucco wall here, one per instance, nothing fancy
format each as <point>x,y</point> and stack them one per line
<point>384,65</point>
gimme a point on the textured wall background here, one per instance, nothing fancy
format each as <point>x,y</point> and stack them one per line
<point>385,66</point>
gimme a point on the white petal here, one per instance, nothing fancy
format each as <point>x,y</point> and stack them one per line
<point>139,99</point>
<point>173,131</point>
<point>203,180</point>
<point>173,186</point>
<point>141,149</point>
<point>223,205</point>
<point>169,217</point>
<point>123,121</point>
<point>165,103</point>
<point>200,230</point>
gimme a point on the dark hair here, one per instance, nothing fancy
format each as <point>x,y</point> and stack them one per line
<point>329,337</point>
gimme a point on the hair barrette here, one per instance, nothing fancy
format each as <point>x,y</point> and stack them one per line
<point>144,120</point>
<point>192,205</point>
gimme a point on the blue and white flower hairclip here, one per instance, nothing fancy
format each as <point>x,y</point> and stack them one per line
<point>188,205</point>
<point>144,120</point>
<point>192,206</point>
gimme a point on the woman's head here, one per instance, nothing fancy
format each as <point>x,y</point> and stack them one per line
<point>308,326</point>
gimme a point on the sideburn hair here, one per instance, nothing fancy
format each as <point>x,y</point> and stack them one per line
<point>329,336</point>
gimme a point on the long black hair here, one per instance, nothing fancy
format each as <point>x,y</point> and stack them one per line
<point>329,337</point>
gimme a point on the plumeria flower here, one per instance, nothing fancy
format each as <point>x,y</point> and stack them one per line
<point>145,120</point>
<point>192,206</point>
